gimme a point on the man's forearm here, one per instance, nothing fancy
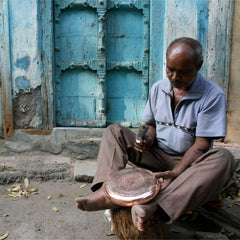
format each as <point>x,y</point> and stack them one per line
<point>200,146</point>
<point>189,157</point>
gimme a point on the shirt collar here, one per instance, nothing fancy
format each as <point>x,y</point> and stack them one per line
<point>195,92</point>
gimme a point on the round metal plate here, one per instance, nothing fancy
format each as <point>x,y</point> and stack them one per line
<point>131,186</point>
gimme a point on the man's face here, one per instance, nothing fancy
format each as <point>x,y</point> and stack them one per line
<point>181,69</point>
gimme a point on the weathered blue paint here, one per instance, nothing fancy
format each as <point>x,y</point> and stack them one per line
<point>222,62</point>
<point>181,20</point>
<point>76,55</point>
<point>125,92</point>
<point>202,29</point>
<point>45,17</point>
<point>73,105</point>
<point>23,62</point>
<point>127,48</point>
<point>32,36</point>
<point>22,82</point>
<point>124,37</point>
<point>99,47</point>
<point>157,35</point>
<point>219,42</point>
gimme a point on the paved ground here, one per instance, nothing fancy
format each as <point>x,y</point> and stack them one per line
<point>34,217</point>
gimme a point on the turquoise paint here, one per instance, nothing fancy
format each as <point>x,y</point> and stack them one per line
<point>75,51</point>
<point>23,63</point>
<point>22,83</point>
<point>108,51</point>
<point>202,28</point>
<point>96,62</point>
<point>127,39</point>
<point>97,49</point>
<point>156,56</point>
<point>77,35</point>
<point>124,35</point>
<point>124,96</point>
<point>76,95</point>
<point>46,53</point>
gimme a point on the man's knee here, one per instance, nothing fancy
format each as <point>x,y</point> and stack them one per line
<point>224,158</point>
<point>113,129</point>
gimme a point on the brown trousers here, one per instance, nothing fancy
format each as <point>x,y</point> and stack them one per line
<point>199,183</point>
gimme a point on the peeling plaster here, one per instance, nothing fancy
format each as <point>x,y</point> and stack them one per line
<point>28,109</point>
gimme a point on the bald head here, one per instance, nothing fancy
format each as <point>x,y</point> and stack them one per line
<point>183,63</point>
<point>190,46</point>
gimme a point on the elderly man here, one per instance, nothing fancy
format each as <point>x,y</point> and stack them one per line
<point>185,113</point>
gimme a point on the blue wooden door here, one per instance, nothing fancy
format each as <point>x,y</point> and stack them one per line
<point>101,61</point>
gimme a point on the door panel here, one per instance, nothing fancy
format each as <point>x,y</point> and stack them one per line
<point>124,101</point>
<point>75,106</point>
<point>126,54</point>
<point>78,35</point>
<point>124,38</point>
<point>101,62</point>
<point>76,56</point>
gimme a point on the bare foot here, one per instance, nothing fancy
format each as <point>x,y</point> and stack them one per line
<point>140,213</point>
<point>96,201</point>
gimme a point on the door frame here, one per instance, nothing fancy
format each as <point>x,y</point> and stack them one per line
<point>46,33</point>
<point>5,71</point>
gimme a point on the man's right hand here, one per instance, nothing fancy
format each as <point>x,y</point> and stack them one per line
<point>144,144</point>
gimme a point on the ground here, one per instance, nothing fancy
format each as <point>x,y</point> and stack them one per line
<point>52,214</point>
<point>34,218</point>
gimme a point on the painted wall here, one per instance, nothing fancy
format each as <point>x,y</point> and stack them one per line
<point>233,117</point>
<point>25,63</point>
<point>31,46</point>
<point>210,23</point>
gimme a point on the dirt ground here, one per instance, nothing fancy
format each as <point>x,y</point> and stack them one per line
<point>34,218</point>
<point>52,214</point>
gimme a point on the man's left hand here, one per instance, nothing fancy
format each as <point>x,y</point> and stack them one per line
<point>165,178</point>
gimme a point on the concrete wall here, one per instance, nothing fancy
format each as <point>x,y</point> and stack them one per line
<point>233,116</point>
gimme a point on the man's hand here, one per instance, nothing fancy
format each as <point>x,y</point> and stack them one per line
<point>165,178</point>
<point>147,141</point>
<point>200,146</point>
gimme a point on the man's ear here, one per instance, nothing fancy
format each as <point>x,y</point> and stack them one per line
<point>199,65</point>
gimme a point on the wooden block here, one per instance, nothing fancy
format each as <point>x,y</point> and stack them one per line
<point>123,226</point>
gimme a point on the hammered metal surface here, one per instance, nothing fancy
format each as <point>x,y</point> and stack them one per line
<point>132,186</point>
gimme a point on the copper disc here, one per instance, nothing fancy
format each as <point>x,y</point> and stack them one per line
<point>131,186</point>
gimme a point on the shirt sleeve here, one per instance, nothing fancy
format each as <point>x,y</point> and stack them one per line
<point>212,118</point>
<point>147,115</point>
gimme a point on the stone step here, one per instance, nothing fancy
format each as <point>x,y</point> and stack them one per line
<point>77,133</point>
<point>84,171</point>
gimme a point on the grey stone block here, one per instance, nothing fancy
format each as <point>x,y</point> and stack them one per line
<point>84,171</point>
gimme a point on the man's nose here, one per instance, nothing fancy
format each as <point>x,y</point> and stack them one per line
<point>174,75</point>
